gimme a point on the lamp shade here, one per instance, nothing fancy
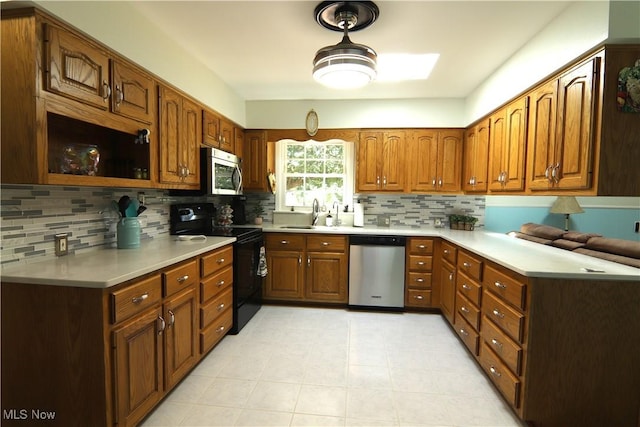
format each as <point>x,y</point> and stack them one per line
<point>345,65</point>
<point>566,205</point>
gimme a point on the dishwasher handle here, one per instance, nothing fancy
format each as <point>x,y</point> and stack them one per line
<point>377,240</point>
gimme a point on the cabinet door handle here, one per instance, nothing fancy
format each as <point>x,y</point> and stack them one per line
<point>472,180</point>
<point>378,181</point>
<point>106,90</point>
<point>119,95</point>
<point>220,283</point>
<point>433,182</point>
<point>500,285</point>
<point>546,172</point>
<point>555,173</point>
<point>221,307</point>
<point>463,332</point>
<point>440,182</point>
<point>220,260</point>
<point>464,309</point>
<point>466,265</point>
<point>495,372</point>
<point>220,329</point>
<point>299,259</point>
<point>496,343</point>
<point>173,319</point>
<point>163,325</point>
<point>498,314</point>
<point>384,181</point>
<point>451,277</point>
<point>183,279</point>
<point>138,300</point>
<point>308,261</point>
<point>466,287</point>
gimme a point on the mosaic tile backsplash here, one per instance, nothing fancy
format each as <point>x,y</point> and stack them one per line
<point>31,215</point>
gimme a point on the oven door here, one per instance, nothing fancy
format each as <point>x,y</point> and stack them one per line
<point>223,173</point>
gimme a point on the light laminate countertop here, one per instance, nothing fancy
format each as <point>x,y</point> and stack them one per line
<point>523,257</point>
<point>106,267</point>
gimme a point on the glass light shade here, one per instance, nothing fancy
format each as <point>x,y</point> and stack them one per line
<point>345,66</point>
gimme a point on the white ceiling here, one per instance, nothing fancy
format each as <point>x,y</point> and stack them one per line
<point>264,49</point>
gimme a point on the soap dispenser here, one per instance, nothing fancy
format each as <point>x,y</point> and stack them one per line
<point>358,214</point>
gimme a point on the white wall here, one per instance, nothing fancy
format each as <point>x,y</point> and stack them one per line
<point>118,25</point>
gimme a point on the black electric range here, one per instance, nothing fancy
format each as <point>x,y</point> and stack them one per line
<point>199,218</point>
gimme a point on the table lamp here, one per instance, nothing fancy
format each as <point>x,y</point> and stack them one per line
<point>566,205</point>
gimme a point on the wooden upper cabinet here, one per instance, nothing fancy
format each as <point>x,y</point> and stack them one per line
<point>217,131</point>
<point>435,159</point>
<point>561,130</point>
<point>76,68</point>
<point>180,133</point>
<point>238,138</point>
<point>476,157</point>
<point>254,160</point>
<point>507,147</point>
<point>381,161</point>
<point>80,70</point>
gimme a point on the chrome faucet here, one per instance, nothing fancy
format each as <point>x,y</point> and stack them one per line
<point>315,209</point>
<point>336,206</point>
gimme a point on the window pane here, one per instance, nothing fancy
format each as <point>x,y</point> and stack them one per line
<point>315,166</point>
<point>334,167</point>
<point>313,184</point>
<point>335,152</point>
<point>315,151</point>
<point>295,166</point>
<point>295,151</point>
<point>295,183</point>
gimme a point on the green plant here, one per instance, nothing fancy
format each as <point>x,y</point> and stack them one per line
<point>258,209</point>
<point>469,219</point>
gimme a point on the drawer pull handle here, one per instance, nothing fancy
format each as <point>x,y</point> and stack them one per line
<point>138,300</point>
<point>419,297</point>
<point>497,313</point>
<point>284,242</point>
<point>183,278</point>
<point>173,319</point>
<point>220,283</point>
<point>466,287</point>
<point>463,332</point>
<point>496,343</point>
<point>422,247</point>
<point>421,263</point>
<point>220,260</point>
<point>325,243</point>
<point>464,309</point>
<point>220,329</point>
<point>221,306</point>
<point>419,280</point>
<point>495,372</point>
<point>500,285</point>
<point>466,265</point>
<point>446,251</point>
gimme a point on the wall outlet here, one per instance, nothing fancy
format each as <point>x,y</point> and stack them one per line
<point>62,247</point>
<point>637,227</point>
<point>384,220</point>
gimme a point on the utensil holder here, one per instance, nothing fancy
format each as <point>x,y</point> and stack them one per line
<point>128,233</point>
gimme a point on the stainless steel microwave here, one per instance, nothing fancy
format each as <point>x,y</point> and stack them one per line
<point>223,173</point>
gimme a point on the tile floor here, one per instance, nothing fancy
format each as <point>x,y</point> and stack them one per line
<point>293,366</point>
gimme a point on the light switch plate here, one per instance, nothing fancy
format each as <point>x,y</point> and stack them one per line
<point>62,244</point>
<point>384,220</point>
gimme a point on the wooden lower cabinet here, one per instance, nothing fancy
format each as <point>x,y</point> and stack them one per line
<point>419,290</point>
<point>446,255</point>
<point>118,350</point>
<point>311,267</point>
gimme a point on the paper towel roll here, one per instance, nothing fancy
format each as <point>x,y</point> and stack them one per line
<point>358,215</point>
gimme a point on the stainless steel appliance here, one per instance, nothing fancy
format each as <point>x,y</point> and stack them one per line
<point>222,172</point>
<point>198,218</point>
<point>376,271</point>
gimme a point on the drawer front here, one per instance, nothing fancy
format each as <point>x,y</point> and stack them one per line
<point>448,252</point>
<point>213,333</point>
<point>211,310</point>
<point>509,288</point>
<point>419,280</point>
<point>135,298</point>
<point>507,383</point>
<point>469,311</point>
<point>180,277</point>
<point>326,243</point>
<point>284,241</point>
<point>469,288</point>
<point>420,246</point>
<point>508,319</point>
<point>502,345</point>
<point>420,262</point>
<point>213,285</point>
<point>467,334</point>
<point>417,298</point>
<point>470,266</point>
<point>216,261</point>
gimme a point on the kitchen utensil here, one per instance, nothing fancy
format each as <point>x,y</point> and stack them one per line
<point>132,208</point>
<point>141,209</point>
<point>123,204</point>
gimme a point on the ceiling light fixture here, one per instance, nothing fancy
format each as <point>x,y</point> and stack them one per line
<point>346,65</point>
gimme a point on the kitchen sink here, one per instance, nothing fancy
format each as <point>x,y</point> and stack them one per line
<point>299,227</point>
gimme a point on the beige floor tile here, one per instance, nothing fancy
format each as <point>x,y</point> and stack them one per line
<point>211,416</point>
<point>255,417</point>
<point>272,396</point>
<point>228,392</point>
<point>307,420</point>
<point>370,404</point>
<point>322,400</point>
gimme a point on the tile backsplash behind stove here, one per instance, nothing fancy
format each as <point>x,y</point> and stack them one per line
<point>31,215</point>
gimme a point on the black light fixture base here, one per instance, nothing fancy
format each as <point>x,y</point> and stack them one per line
<point>327,14</point>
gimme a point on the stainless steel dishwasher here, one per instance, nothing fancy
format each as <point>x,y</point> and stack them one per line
<point>376,271</point>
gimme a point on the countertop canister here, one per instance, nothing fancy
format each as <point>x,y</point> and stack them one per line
<point>128,233</point>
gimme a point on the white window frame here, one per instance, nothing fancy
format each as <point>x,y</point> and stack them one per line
<point>281,154</point>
